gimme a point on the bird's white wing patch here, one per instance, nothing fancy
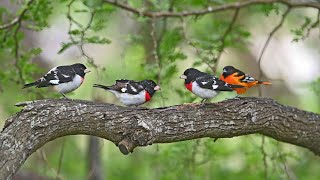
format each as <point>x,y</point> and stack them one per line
<point>66,76</point>
<point>55,81</point>
<point>42,79</point>
<point>215,86</point>
<point>53,69</point>
<point>133,89</point>
<point>123,90</point>
<point>204,82</point>
<point>249,79</point>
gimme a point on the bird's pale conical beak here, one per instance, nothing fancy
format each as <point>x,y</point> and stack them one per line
<point>86,71</point>
<point>157,88</point>
<point>183,76</point>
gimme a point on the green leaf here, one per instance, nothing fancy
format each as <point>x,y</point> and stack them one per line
<point>316,86</point>
<point>65,46</point>
<point>35,51</point>
<point>93,3</point>
<point>97,40</point>
<point>306,23</point>
<point>268,8</point>
<point>81,11</point>
<point>75,32</point>
<point>197,63</point>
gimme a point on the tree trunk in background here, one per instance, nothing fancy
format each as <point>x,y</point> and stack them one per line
<point>95,169</point>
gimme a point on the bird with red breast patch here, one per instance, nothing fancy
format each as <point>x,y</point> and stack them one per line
<point>234,76</point>
<point>63,79</point>
<point>130,92</point>
<point>205,85</point>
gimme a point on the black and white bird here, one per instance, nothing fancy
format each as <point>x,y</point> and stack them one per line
<point>205,85</point>
<point>130,92</point>
<point>63,79</point>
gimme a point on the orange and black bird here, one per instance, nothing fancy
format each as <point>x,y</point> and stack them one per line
<point>234,76</point>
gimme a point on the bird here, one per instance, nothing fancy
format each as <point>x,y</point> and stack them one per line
<point>131,92</point>
<point>234,76</point>
<point>205,85</point>
<point>63,79</point>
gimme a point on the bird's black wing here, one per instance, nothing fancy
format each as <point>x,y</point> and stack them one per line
<point>57,75</point>
<point>213,83</point>
<point>248,78</point>
<point>127,86</point>
<point>134,87</point>
<point>245,77</point>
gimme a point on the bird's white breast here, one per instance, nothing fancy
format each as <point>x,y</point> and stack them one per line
<point>202,92</point>
<point>130,99</point>
<point>69,86</point>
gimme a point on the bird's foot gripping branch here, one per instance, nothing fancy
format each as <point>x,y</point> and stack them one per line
<point>42,121</point>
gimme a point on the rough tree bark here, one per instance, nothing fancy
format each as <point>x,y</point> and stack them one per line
<point>45,120</point>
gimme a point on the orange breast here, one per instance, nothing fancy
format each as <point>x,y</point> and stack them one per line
<point>236,81</point>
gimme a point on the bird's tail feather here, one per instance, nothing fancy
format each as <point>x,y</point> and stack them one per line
<point>30,84</point>
<point>264,82</point>
<point>101,86</point>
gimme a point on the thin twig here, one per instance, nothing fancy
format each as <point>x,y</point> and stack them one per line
<point>275,29</point>
<point>60,158</point>
<point>223,40</point>
<point>45,159</point>
<point>198,51</point>
<point>208,10</point>
<point>71,21</point>
<point>264,158</point>
<point>83,33</point>
<point>290,174</point>
<point>18,19</point>
<point>192,160</point>
<point>313,25</point>
<point>155,47</point>
<point>16,53</point>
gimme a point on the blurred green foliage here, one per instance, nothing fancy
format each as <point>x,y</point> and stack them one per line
<point>247,157</point>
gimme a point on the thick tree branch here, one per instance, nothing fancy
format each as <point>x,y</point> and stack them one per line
<point>236,5</point>
<point>45,120</point>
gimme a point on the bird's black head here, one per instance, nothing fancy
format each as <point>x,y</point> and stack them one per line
<point>228,70</point>
<point>191,74</point>
<point>150,86</point>
<point>80,69</point>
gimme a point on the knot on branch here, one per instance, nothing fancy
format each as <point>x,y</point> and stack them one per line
<point>142,136</point>
<point>127,145</point>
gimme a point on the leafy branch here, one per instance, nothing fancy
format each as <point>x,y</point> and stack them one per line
<point>223,41</point>
<point>19,18</point>
<point>209,10</point>
<point>79,36</point>
<point>275,29</point>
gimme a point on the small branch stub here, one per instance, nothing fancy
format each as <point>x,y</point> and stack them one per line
<point>126,146</point>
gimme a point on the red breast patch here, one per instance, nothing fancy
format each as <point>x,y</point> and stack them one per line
<point>189,86</point>
<point>82,80</point>
<point>148,96</point>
